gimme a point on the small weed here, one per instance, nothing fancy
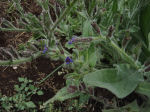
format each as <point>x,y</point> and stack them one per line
<point>22,98</point>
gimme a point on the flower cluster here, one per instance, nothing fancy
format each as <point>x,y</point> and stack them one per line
<point>45,49</point>
<point>68,60</point>
<point>72,40</point>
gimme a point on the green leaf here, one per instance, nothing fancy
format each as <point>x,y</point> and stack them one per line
<point>69,46</point>
<point>40,93</point>
<point>87,29</point>
<point>143,88</point>
<point>92,57</point>
<point>83,14</point>
<point>30,104</point>
<point>62,95</point>
<point>121,81</point>
<point>26,88</point>
<point>23,85</point>
<point>21,79</point>
<point>134,29</point>
<point>31,87</point>
<point>84,98</point>
<point>121,5</point>
<point>30,81</point>
<point>115,6</point>
<point>17,88</point>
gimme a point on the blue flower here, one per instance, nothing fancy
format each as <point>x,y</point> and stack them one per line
<point>72,40</point>
<point>45,49</point>
<point>68,60</point>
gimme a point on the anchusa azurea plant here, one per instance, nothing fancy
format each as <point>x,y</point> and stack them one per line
<point>103,40</point>
<point>110,49</point>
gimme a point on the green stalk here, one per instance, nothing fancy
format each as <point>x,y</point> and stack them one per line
<point>50,74</point>
<point>123,54</point>
<point>67,10</point>
<point>13,29</point>
<point>118,23</point>
<point>21,60</point>
<point>24,30</point>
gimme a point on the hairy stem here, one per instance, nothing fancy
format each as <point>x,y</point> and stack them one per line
<point>13,29</point>
<point>21,60</point>
<point>67,10</point>
<point>123,54</point>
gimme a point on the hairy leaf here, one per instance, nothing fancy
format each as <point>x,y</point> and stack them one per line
<point>121,81</point>
<point>87,29</point>
<point>62,95</point>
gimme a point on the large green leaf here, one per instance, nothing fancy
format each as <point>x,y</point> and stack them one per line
<point>121,81</point>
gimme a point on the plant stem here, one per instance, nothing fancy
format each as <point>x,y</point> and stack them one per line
<point>63,15</point>
<point>21,60</point>
<point>12,29</point>
<point>123,54</point>
<point>50,74</point>
<point>117,24</point>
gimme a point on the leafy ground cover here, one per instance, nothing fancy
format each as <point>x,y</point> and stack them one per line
<point>74,56</point>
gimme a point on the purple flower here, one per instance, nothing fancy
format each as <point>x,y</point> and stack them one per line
<point>45,49</point>
<point>68,60</point>
<point>72,40</point>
